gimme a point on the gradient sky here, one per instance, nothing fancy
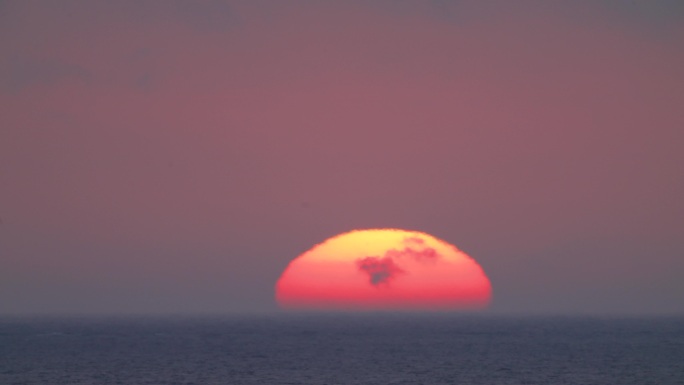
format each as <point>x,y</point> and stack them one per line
<point>172,156</point>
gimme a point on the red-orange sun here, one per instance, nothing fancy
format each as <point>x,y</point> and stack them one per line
<point>383,269</point>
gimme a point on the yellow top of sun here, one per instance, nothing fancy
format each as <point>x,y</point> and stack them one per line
<point>376,242</point>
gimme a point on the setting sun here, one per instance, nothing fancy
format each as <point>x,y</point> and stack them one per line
<point>387,269</point>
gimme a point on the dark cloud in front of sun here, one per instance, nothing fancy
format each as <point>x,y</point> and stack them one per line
<point>380,270</point>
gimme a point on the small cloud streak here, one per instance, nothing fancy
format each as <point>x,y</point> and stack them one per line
<point>427,254</point>
<point>414,240</point>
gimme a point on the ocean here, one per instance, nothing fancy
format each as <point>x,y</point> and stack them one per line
<point>342,349</point>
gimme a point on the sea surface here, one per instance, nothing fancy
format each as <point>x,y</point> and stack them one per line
<point>342,349</point>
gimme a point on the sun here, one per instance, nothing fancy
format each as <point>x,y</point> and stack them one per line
<point>383,269</point>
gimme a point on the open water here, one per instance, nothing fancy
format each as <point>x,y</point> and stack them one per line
<point>342,349</point>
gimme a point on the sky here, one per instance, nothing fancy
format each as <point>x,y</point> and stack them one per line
<point>174,157</point>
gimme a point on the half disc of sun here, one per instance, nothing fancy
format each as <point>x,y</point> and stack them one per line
<point>387,269</point>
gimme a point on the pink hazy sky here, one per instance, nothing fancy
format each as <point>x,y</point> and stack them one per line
<point>171,156</point>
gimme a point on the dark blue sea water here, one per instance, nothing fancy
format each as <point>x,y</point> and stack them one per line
<point>342,349</point>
